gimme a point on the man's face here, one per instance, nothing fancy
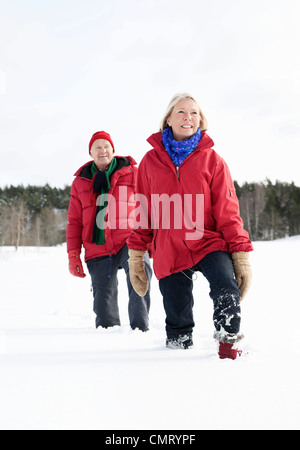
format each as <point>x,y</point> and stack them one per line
<point>102,153</point>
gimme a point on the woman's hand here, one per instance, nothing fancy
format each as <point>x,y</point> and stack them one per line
<point>242,271</point>
<point>137,272</point>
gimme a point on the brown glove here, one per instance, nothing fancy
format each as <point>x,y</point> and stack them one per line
<point>137,272</point>
<point>242,271</point>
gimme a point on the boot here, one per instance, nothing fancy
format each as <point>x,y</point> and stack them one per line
<point>226,351</point>
<point>183,342</point>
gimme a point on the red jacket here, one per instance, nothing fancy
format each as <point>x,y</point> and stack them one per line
<point>202,172</point>
<point>82,209</point>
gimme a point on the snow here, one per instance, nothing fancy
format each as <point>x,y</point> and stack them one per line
<point>58,372</point>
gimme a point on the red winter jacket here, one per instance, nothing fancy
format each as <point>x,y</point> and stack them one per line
<point>82,209</point>
<point>175,247</point>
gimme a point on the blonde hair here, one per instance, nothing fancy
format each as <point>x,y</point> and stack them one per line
<point>173,102</point>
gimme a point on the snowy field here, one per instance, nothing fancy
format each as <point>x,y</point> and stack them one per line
<point>58,372</point>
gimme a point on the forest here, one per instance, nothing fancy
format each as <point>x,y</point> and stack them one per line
<point>33,215</point>
<point>37,215</point>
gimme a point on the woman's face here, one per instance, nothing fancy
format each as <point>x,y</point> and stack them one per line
<point>185,119</point>
<point>102,153</point>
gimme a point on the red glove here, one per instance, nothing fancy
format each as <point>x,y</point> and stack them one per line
<point>75,264</point>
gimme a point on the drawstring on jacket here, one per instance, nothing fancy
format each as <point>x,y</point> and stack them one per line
<point>194,278</point>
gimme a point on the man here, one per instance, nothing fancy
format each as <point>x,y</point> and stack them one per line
<point>101,202</point>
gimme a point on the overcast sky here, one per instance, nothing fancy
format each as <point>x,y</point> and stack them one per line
<point>69,68</point>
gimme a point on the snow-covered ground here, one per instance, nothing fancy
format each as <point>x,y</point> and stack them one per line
<point>58,372</point>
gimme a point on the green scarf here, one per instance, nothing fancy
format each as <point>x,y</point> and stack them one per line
<point>101,185</point>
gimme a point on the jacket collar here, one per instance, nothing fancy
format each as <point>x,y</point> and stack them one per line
<point>156,141</point>
<point>85,170</point>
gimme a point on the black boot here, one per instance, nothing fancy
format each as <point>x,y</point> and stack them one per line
<point>183,342</point>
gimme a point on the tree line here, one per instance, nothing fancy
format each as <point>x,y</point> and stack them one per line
<point>37,215</point>
<point>269,210</point>
<point>33,215</point>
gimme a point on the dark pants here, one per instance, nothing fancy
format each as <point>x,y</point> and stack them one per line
<point>103,271</point>
<point>178,298</point>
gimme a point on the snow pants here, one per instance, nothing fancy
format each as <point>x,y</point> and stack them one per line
<point>103,271</point>
<point>177,292</point>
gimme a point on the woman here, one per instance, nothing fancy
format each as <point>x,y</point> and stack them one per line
<point>182,164</point>
<point>98,220</point>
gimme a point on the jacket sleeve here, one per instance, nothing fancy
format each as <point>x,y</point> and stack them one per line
<point>141,234</point>
<point>74,227</point>
<point>225,208</point>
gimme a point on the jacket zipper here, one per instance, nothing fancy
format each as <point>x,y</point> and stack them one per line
<point>177,171</point>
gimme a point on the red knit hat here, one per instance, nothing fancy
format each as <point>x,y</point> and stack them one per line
<point>101,135</point>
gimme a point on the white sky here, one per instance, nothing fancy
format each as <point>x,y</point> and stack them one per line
<point>69,68</point>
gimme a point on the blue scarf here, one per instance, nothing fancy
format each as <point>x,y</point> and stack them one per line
<point>179,150</point>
